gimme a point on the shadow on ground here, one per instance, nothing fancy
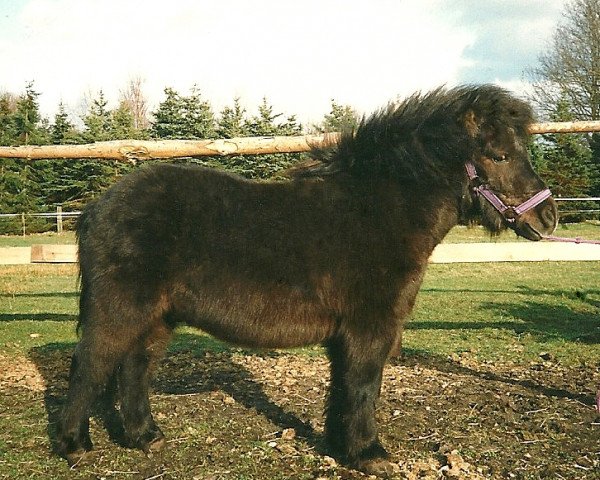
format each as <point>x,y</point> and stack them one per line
<point>542,319</point>
<point>210,374</point>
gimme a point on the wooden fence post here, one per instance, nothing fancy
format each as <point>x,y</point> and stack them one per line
<point>59,219</point>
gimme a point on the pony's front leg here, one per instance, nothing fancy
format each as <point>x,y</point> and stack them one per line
<point>351,430</point>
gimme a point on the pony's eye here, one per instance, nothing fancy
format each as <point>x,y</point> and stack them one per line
<point>499,158</point>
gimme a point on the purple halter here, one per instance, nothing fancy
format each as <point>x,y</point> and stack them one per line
<point>510,213</point>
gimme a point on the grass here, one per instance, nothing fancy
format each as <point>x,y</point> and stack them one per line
<point>43,238</point>
<point>463,234</point>
<point>507,311</point>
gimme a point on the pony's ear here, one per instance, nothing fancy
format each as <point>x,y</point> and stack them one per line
<point>471,123</point>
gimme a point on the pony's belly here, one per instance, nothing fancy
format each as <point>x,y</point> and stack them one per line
<point>258,320</point>
<point>275,334</point>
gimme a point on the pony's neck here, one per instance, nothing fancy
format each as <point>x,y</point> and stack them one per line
<point>418,213</point>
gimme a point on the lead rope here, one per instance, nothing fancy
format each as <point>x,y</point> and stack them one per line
<point>552,238</point>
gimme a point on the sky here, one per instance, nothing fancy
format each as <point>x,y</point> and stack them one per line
<point>300,54</point>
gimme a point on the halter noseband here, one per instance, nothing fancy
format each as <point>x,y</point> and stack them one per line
<point>510,213</point>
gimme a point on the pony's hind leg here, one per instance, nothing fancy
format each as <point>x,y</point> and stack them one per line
<point>109,329</point>
<point>91,367</point>
<point>108,409</point>
<point>73,434</point>
<point>141,430</point>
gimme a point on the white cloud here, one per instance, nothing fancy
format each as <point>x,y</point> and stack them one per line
<point>299,54</point>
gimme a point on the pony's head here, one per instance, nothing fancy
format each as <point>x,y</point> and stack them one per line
<point>504,188</point>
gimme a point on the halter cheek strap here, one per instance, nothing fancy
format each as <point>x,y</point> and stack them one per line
<point>510,213</point>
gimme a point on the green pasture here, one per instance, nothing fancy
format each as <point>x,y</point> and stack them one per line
<point>37,238</point>
<point>494,311</point>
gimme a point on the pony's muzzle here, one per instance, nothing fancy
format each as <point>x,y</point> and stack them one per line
<point>539,221</point>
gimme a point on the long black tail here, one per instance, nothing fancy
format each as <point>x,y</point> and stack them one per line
<point>82,231</point>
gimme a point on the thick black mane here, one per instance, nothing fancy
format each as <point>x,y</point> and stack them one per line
<point>421,135</point>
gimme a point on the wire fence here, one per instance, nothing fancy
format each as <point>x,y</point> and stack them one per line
<point>54,221</point>
<point>59,221</point>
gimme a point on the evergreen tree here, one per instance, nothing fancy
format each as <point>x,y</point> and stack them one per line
<point>97,121</point>
<point>168,118</point>
<point>265,124</point>
<point>18,194</point>
<point>567,168</point>
<point>290,127</point>
<point>21,124</point>
<point>8,131</point>
<point>62,130</point>
<point>72,183</point>
<point>180,117</point>
<point>234,123</point>
<point>231,121</point>
<point>566,164</point>
<point>122,123</point>
<point>27,118</point>
<point>14,189</point>
<point>341,118</point>
<point>198,115</point>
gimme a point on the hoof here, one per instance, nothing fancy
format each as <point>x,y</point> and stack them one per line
<point>379,467</point>
<point>76,458</point>
<point>73,451</point>
<point>154,445</point>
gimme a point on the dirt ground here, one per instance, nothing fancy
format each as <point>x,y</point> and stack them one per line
<point>231,415</point>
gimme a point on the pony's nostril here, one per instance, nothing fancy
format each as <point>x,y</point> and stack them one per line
<point>549,216</point>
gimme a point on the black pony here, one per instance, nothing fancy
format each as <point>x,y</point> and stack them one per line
<point>335,256</point>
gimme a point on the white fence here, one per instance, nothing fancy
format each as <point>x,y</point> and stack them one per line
<point>60,215</point>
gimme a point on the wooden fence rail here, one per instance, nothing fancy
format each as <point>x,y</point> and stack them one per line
<point>134,150</point>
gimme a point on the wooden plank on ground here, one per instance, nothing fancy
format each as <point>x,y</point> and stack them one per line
<point>53,253</point>
<point>514,252</point>
<point>444,253</point>
<point>15,255</point>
